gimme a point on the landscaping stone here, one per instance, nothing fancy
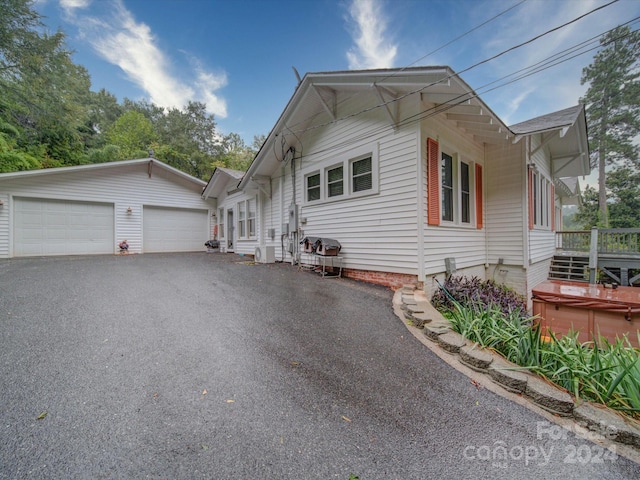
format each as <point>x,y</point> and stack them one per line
<point>409,300</point>
<point>420,319</point>
<point>549,397</point>
<point>434,331</point>
<point>413,309</point>
<point>606,423</point>
<point>502,373</point>
<point>452,342</point>
<point>475,357</point>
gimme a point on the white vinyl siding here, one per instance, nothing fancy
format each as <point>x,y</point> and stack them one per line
<point>375,220</point>
<point>541,239</point>
<point>505,204</point>
<point>122,186</point>
<point>454,239</point>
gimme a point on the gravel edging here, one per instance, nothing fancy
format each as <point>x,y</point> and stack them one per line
<point>597,421</point>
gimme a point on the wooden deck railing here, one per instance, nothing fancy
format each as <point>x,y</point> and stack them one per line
<point>607,241</point>
<point>606,248</point>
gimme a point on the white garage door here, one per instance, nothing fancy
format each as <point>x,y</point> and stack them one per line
<point>61,227</point>
<point>174,229</point>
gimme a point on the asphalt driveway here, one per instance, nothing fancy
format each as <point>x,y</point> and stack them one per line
<point>202,366</point>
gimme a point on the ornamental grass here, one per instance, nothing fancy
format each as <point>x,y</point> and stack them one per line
<point>603,371</point>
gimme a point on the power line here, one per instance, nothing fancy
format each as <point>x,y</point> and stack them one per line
<point>457,74</point>
<point>549,62</point>
<point>397,72</point>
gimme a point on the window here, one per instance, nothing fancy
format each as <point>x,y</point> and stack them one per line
<point>447,188</point>
<point>465,193</point>
<point>221,223</point>
<point>313,187</point>
<point>454,188</point>
<point>362,175</point>
<point>541,201</point>
<point>247,218</point>
<point>242,220</point>
<point>251,218</point>
<point>354,175</point>
<point>335,186</point>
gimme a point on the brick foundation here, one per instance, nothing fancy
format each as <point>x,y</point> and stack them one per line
<point>388,279</point>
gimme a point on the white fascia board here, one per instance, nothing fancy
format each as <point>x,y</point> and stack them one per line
<point>102,166</point>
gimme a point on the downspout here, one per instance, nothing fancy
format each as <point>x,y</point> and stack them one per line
<point>526,236</point>
<point>294,231</point>
<point>421,203</point>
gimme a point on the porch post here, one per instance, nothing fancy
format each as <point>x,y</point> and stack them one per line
<point>593,255</point>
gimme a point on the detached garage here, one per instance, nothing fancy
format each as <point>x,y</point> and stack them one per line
<point>89,209</point>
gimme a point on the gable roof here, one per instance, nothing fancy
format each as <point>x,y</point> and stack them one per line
<point>564,134</point>
<point>219,180</point>
<point>150,162</point>
<point>315,102</point>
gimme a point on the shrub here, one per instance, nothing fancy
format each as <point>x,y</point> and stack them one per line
<point>479,295</point>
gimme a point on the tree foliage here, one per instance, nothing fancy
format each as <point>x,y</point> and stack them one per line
<point>613,105</point>
<point>50,117</point>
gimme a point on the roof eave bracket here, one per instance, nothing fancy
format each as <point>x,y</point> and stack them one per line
<point>391,116</point>
<point>331,106</point>
<point>263,183</point>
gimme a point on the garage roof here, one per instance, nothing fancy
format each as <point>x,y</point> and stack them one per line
<point>151,162</point>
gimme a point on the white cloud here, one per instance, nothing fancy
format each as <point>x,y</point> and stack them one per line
<point>132,46</point>
<point>372,49</point>
<point>69,5</point>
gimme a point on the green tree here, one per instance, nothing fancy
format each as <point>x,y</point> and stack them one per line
<point>187,139</point>
<point>624,210</point>
<point>588,214</point>
<point>613,105</point>
<point>133,134</point>
<point>42,92</point>
<point>235,153</point>
<point>11,159</point>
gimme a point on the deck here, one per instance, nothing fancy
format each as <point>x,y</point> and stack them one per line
<point>598,256</point>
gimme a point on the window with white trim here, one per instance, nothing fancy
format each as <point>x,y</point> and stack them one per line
<point>247,219</point>
<point>335,182</point>
<point>221,223</point>
<point>313,187</point>
<point>457,179</point>
<point>242,219</point>
<point>353,176</point>
<point>542,201</point>
<point>362,174</point>
<point>251,217</point>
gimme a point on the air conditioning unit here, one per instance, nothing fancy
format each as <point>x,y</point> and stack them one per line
<point>265,254</point>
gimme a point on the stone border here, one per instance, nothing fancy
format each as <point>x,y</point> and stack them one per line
<point>592,418</point>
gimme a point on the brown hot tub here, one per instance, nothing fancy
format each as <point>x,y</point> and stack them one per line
<point>589,309</point>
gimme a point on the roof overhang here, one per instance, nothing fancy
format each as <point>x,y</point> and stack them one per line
<point>149,163</point>
<point>219,182</point>
<point>568,189</point>
<point>564,134</point>
<point>315,103</point>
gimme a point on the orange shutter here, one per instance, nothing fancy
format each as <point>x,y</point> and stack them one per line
<point>553,208</point>
<point>479,222</point>
<point>530,197</point>
<point>433,183</point>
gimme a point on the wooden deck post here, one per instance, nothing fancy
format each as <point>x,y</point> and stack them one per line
<point>593,255</point>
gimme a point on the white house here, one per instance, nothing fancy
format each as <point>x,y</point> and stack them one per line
<point>234,208</point>
<point>89,209</point>
<point>407,168</point>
